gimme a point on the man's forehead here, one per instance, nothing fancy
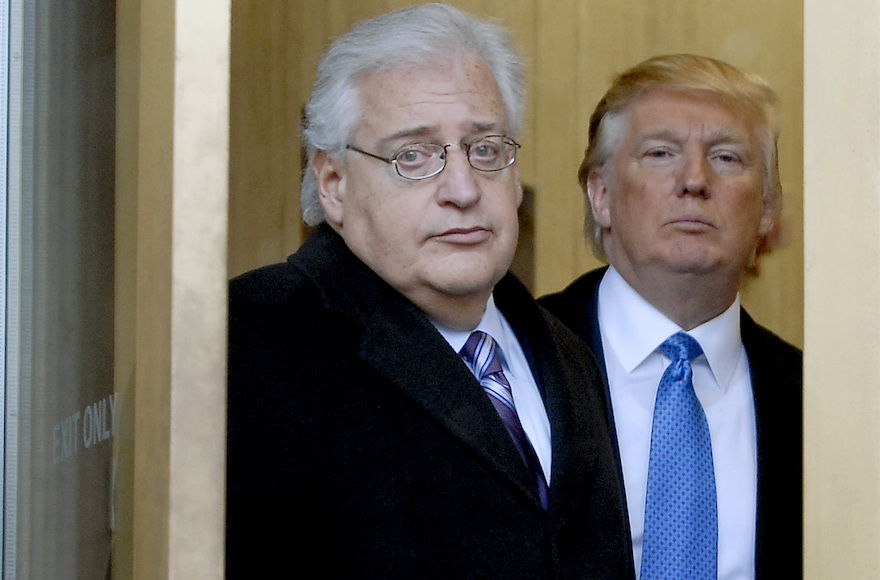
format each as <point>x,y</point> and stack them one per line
<point>387,82</point>
<point>665,113</point>
<point>402,101</point>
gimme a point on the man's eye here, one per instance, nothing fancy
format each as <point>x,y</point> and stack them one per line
<point>484,151</point>
<point>413,156</point>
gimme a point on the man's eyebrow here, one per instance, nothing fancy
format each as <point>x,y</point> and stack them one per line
<point>425,131</point>
<point>661,134</point>
<point>714,137</point>
<point>483,127</point>
<point>422,131</point>
<point>724,135</point>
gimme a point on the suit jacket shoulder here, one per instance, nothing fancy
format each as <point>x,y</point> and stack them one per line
<point>577,307</point>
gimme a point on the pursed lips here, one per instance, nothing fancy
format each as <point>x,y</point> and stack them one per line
<point>466,235</point>
<point>691,222</point>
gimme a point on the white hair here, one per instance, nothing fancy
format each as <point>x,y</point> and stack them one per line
<point>417,36</point>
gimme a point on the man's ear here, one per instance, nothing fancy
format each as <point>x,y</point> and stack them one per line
<point>330,176</point>
<point>769,226</point>
<point>600,198</point>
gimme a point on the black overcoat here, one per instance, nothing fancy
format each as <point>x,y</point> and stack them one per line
<point>361,446</point>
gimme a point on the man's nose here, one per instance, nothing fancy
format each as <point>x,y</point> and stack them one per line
<point>695,175</point>
<point>460,186</point>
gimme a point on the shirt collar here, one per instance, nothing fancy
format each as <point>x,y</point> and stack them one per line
<point>490,324</point>
<point>634,329</point>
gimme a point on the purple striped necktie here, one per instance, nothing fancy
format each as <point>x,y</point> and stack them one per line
<point>480,352</point>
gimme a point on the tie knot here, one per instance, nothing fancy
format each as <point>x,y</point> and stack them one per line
<point>681,346</point>
<point>480,352</point>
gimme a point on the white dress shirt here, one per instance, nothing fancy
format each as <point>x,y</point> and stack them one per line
<point>526,397</point>
<point>632,330</point>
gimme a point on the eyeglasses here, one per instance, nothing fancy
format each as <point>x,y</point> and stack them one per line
<point>424,160</point>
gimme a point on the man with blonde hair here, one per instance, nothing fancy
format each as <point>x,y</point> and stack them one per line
<point>682,192</point>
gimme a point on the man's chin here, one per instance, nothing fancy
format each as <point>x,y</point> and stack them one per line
<point>697,267</point>
<point>465,288</point>
<point>705,269</point>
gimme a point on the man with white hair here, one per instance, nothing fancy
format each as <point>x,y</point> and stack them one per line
<point>399,407</point>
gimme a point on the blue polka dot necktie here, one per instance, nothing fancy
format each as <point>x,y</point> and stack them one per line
<point>681,523</point>
<point>481,356</point>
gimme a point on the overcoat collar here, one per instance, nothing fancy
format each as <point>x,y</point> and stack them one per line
<point>400,343</point>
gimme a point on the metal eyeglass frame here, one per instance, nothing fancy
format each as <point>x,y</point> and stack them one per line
<point>443,156</point>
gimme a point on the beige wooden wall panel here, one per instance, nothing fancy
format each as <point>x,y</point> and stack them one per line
<point>264,140</point>
<point>572,48</point>
<point>172,191</point>
<point>842,366</point>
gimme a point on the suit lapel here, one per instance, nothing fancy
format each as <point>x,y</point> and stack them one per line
<point>775,370</point>
<point>405,348</point>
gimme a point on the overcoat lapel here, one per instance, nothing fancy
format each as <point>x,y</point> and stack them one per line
<point>579,306</point>
<point>399,342</point>
<point>422,365</point>
<point>566,405</point>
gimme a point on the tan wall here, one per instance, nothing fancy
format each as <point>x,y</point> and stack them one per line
<point>842,366</point>
<point>573,48</point>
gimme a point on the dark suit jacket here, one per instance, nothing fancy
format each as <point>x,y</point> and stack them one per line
<point>360,443</point>
<point>777,379</point>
